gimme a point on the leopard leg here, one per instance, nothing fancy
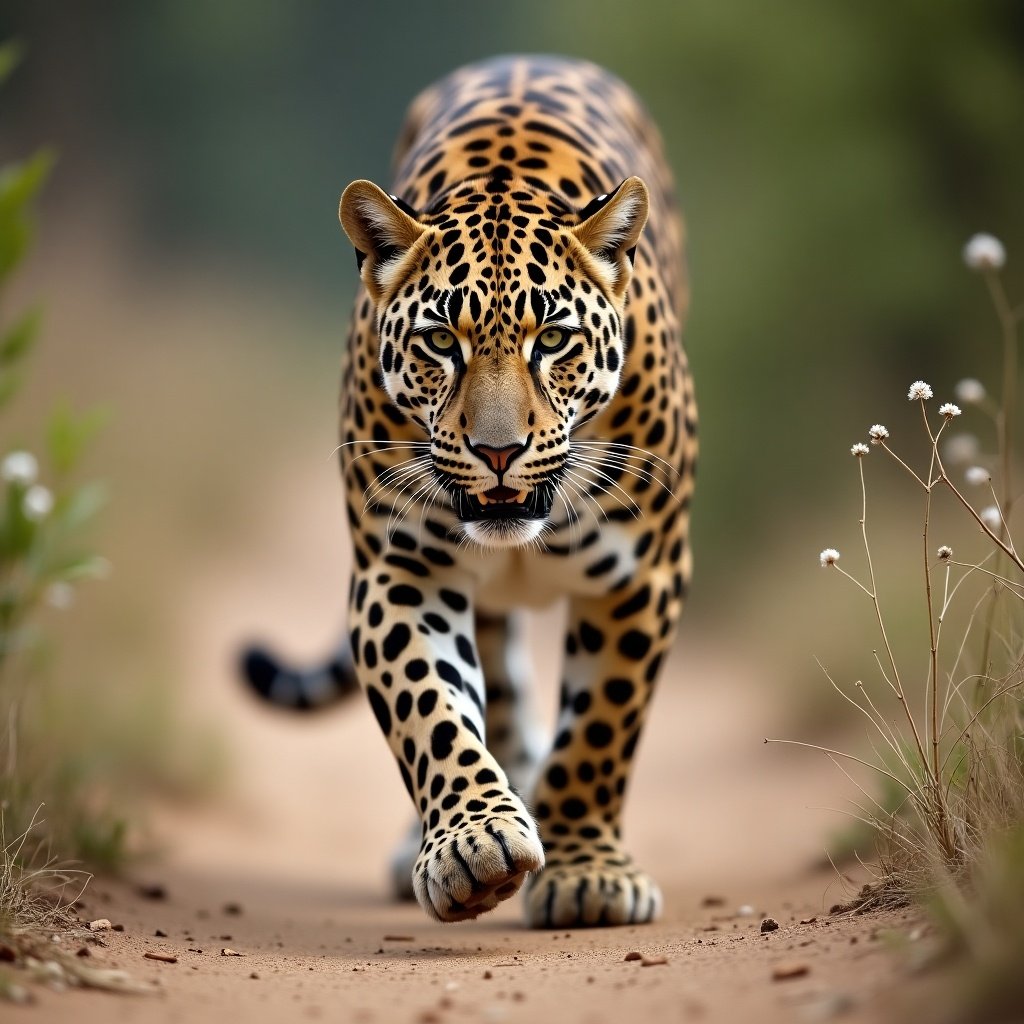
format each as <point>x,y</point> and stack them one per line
<point>414,654</point>
<point>512,735</point>
<point>615,647</point>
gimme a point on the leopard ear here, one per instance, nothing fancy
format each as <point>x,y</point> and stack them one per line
<point>382,228</point>
<point>610,229</point>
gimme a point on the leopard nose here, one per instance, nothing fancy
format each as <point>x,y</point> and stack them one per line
<point>499,459</point>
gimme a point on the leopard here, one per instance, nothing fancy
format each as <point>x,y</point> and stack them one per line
<point>518,432</point>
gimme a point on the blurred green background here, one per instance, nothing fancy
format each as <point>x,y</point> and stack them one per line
<point>832,159</point>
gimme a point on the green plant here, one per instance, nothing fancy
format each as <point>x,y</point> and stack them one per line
<point>952,748</point>
<point>45,514</point>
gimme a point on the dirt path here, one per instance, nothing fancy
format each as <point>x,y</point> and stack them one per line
<point>289,871</point>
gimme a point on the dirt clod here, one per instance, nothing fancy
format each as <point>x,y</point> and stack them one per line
<point>232,908</point>
<point>633,955</point>
<point>101,924</point>
<point>783,972</point>
<point>230,952</point>
<point>160,933</point>
<point>769,924</point>
<point>713,901</point>
<point>399,938</point>
<point>152,891</point>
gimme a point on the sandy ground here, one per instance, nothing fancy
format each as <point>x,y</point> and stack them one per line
<point>288,871</point>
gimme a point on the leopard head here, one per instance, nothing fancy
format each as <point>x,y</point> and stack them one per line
<point>499,313</point>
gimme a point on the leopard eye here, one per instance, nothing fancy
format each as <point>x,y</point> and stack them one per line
<point>441,341</point>
<point>551,339</point>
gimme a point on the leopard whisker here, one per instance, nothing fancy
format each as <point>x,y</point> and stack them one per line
<point>411,477</point>
<point>379,445</point>
<point>391,475</point>
<point>401,515</point>
<point>581,461</point>
<point>630,447</point>
<point>636,510</point>
<point>587,500</point>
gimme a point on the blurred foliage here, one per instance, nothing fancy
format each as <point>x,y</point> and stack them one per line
<point>60,748</point>
<point>831,158</point>
<point>984,936</point>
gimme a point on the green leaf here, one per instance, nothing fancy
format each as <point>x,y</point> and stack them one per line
<point>17,341</point>
<point>17,532</point>
<point>80,507</point>
<point>68,434</point>
<point>10,58</point>
<point>74,567</point>
<point>19,184</point>
<point>10,383</point>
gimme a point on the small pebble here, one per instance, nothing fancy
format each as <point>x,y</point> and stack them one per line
<point>101,924</point>
<point>634,955</point>
<point>769,924</point>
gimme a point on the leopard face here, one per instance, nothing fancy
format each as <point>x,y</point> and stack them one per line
<point>499,314</point>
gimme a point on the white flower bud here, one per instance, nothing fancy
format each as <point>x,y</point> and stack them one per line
<point>969,391</point>
<point>984,252</point>
<point>19,468</point>
<point>991,518</point>
<point>37,503</point>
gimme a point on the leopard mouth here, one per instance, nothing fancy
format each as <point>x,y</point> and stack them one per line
<point>504,503</point>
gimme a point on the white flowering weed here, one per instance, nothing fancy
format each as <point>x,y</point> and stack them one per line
<point>37,503</point>
<point>984,252</point>
<point>969,391</point>
<point>19,468</point>
<point>990,517</point>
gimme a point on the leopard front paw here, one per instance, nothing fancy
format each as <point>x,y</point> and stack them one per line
<point>591,894</point>
<point>470,868</point>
